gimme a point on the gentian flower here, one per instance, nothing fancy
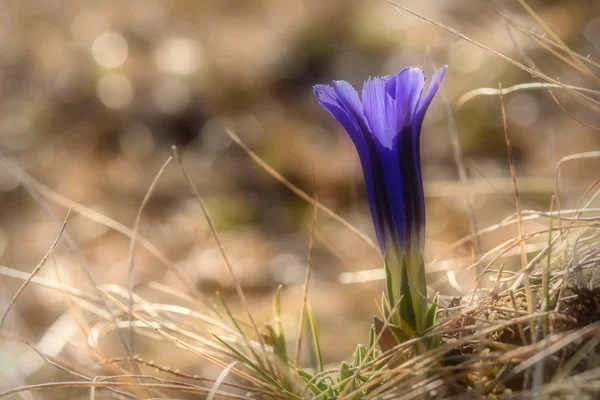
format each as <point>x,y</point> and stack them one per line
<point>385,127</point>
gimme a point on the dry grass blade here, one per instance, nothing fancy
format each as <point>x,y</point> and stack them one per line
<point>221,247</point>
<point>462,171</point>
<point>311,240</point>
<point>220,379</point>
<point>299,192</point>
<point>180,342</point>
<point>513,173</point>
<point>180,374</point>
<point>547,40</point>
<point>84,327</point>
<point>35,270</point>
<point>472,94</point>
<point>51,284</point>
<point>588,101</point>
<point>119,385</point>
<point>136,227</point>
<point>579,356</point>
<point>557,175</point>
<point>74,373</point>
<point>571,115</point>
<point>112,224</point>
<point>557,39</point>
<point>557,346</point>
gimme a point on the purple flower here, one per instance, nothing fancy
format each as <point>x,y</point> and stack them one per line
<point>385,128</point>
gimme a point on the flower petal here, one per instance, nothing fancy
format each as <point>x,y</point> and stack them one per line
<point>436,80</point>
<point>409,86</point>
<point>376,102</point>
<point>343,103</point>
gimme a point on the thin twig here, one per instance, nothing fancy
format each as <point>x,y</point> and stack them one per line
<point>35,270</point>
<point>132,243</point>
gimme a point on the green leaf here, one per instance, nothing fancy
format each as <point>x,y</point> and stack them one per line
<point>315,337</point>
<point>279,345</point>
<point>359,355</point>
<point>400,333</point>
<point>433,341</point>
<point>432,313</point>
<point>407,310</point>
<point>239,329</point>
<point>344,372</point>
<point>308,379</point>
<point>372,337</point>
<point>389,283</point>
<point>346,375</point>
<point>252,365</point>
<point>279,334</point>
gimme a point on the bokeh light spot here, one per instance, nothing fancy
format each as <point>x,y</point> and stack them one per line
<point>178,56</point>
<point>115,90</point>
<point>110,50</point>
<point>465,57</point>
<point>523,109</point>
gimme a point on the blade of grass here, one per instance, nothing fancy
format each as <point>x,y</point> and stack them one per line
<point>132,243</point>
<point>110,223</point>
<point>178,341</point>
<point>240,330</point>
<point>280,346</point>
<point>521,229</point>
<point>115,385</point>
<point>221,247</point>
<point>35,270</point>
<point>311,239</point>
<point>307,378</point>
<point>217,384</point>
<point>557,39</point>
<point>299,192</point>
<point>266,376</point>
<point>178,373</point>
<point>590,102</point>
<point>471,94</point>
<point>557,176</point>
<point>546,276</point>
<point>571,115</point>
<point>315,338</point>
<point>459,160</point>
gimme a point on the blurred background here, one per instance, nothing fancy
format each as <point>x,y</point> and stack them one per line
<point>93,95</point>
